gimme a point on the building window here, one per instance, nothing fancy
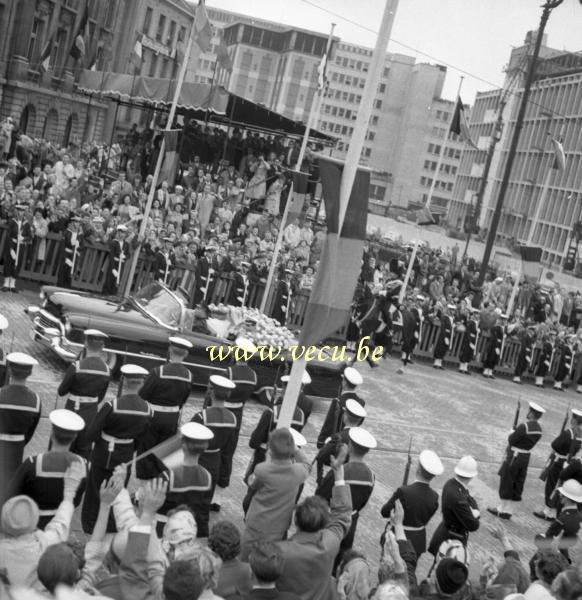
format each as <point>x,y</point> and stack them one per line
<point>341,78</point>
<point>371,135</point>
<point>147,22</point>
<point>378,104</point>
<point>171,33</point>
<point>382,88</point>
<point>33,38</point>
<point>153,65</point>
<point>367,152</point>
<point>334,76</point>
<point>182,34</point>
<point>386,71</point>
<point>161,27</point>
<point>334,111</point>
<point>164,69</point>
<point>374,120</point>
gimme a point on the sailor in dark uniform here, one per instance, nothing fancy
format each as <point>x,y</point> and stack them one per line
<point>304,402</point>
<point>13,248</point>
<point>544,360</point>
<point>204,274</point>
<point>513,471</point>
<point>164,259</point>
<point>567,524</point>
<point>240,285</point>
<point>358,476</point>
<point>333,422</point>
<point>3,372</point>
<point>412,319</point>
<point>419,500</point>
<point>114,431</point>
<point>85,385</point>
<point>565,365</point>
<point>118,255</point>
<point>189,483</point>
<point>564,447</point>
<point>494,347</point>
<point>445,338</point>
<point>41,477</point>
<point>72,237</point>
<point>527,340</point>
<point>19,416</point>
<point>166,389</point>
<point>243,377</point>
<point>353,416</point>
<point>217,459</point>
<point>282,300</point>
<point>460,511</point>
<point>469,341</point>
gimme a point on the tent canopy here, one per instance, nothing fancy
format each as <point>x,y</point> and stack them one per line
<point>195,99</point>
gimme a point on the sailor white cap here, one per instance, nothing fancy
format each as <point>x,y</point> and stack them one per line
<point>133,371</point>
<point>222,382</point>
<point>180,342</point>
<point>66,420</point>
<point>352,376</point>
<point>430,462</point>
<point>20,359</point>
<point>466,467</point>
<point>362,437</point>
<point>576,412</point>
<point>305,378</point>
<point>196,431</point>
<point>95,333</point>
<point>355,408</point>
<point>3,322</point>
<point>452,306</point>
<point>572,489</point>
<point>298,438</point>
<point>245,344</point>
<point>420,297</point>
<point>122,228</point>
<point>537,408</point>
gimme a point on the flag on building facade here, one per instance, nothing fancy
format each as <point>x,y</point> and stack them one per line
<point>559,156</point>
<point>531,257</point>
<point>341,257</point>
<point>460,126</point>
<point>45,55</point>
<point>202,28</point>
<point>170,164</point>
<point>78,49</point>
<point>137,52</point>
<point>222,56</point>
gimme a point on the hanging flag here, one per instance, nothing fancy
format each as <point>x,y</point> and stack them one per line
<point>531,257</point>
<point>45,55</point>
<point>559,156</point>
<point>425,217</point>
<point>322,80</point>
<point>202,28</point>
<point>460,126</point>
<point>223,57</point>
<point>137,52</point>
<point>78,48</point>
<point>341,257</point>
<point>170,164</point>
<point>92,63</point>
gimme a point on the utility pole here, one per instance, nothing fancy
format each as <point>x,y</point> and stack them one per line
<point>548,7</point>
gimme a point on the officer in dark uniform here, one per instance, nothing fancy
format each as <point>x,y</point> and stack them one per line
<point>460,511</point>
<point>564,447</point>
<point>189,483</point>
<point>282,299</point>
<point>240,285</point>
<point>565,364</point>
<point>41,477</point>
<point>118,255</point>
<point>412,319</point>
<point>19,416</point>
<point>527,340</point>
<point>118,424</point>
<point>469,341</point>
<point>567,524</point>
<point>445,338</point>
<point>333,422</point>
<point>217,459</point>
<point>243,377</point>
<point>494,347</point>
<point>3,378</point>
<point>544,360</point>
<point>164,260</point>
<point>204,274</point>
<point>513,471</point>
<point>166,389</point>
<point>72,237</point>
<point>358,476</point>
<point>85,385</point>
<point>419,500</point>
<point>353,416</point>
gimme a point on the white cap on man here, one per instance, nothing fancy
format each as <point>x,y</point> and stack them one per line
<point>218,381</point>
<point>352,376</point>
<point>245,345</point>
<point>466,467</point>
<point>577,413</point>
<point>179,342</point>
<point>431,463</point>
<point>362,437</point>
<point>66,420</point>
<point>3,322</point>
<point>355,408</point>
<point>133,372</point>
<point>298,438</point>
<point>196,431</point>
<point>536,408</point>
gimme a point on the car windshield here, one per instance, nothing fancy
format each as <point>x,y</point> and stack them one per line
<point>155,300</point>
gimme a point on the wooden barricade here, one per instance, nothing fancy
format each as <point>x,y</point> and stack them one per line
<point>91,267</point>
<point>47,270</point>
<point>296,315</point>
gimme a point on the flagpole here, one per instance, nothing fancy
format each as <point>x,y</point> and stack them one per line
<point>442,153</point>
<point>347,181</point>
<point>312,119</point>
<point>159,162</point>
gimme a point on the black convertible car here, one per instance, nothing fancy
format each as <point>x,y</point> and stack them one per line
<point>138,328</point>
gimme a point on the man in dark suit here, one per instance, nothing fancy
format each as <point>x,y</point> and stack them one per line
<point>460,511</point>
<point>266,562</point>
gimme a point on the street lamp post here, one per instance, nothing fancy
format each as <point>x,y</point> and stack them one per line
<point>548,7</point>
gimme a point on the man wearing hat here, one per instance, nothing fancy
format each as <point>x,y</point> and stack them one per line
<point>353,416</point>
<point>164,259</point>
<point>72,237</point>
<point>419,500</point>
<point>3,372</point>
<point>333,422</point>
<point>118,424</point>
<point>203,274</point>
<point>544,361</point>
<point>411,330</point>
<point>41,477</point>
<point>566,526</point>
<point>492,355</point>
<point>217,459</point>
<point>513,471</point>
<point>13,247</point>
<point>19,415</point>
<point>189,483</point>
<point>243,377</point>
<point>240,284</point>
<point>118,255</point>
<point>84,385</point>
<point>166,389</point>
<point>358,476</point>
<point>445,338</point>
<point>527,338</point>
<point>459,509</point>
<point>282,299</point>
<point>564,447</point>
<point>565,363</point>
<point>469,341</point>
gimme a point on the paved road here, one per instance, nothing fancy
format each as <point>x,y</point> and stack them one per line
<point>443,410</point>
